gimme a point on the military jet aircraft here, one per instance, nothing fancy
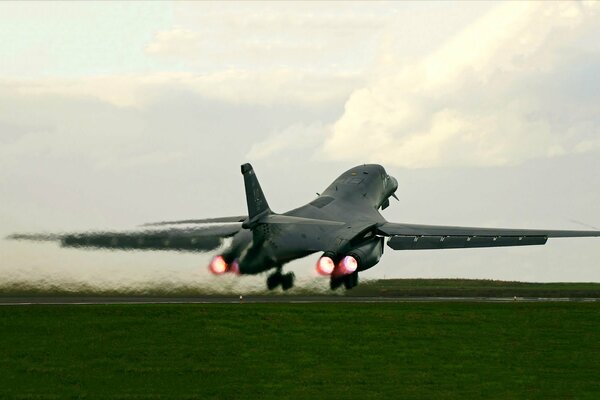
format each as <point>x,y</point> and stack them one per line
<point>343,223</point>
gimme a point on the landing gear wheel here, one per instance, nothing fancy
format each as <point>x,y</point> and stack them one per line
<point>287,281</point>
<point>351,280</point>
<point>335,283</point>
<point>274,280</point>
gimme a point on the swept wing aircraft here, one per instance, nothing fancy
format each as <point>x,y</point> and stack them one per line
<point>343,223</point>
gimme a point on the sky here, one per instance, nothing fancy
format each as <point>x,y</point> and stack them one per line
<point>116,114</point>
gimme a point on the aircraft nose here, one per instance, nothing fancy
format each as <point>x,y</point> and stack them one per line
<point>394,183</point>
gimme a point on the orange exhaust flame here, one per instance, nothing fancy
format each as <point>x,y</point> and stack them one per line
<point>218,266</point>
<point>325,266</point>
<point>347,265</point>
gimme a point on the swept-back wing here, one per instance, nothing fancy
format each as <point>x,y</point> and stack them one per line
<point>196,240</point>
<point>238,218</point>
<point>418,237</point>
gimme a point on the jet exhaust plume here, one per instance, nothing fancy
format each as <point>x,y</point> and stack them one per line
<point>249,286</point>
<point>51,270</point>
<point>347,265</point>
<point>325,265</point>
<point>218,265</point>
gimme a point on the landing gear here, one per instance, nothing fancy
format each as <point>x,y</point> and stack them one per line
<point>287,281</point>
<point>335,283</point>
<point>277,278</point>
<point>273,280</point>
<point>349,281</point>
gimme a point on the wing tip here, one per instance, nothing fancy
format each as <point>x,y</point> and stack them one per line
<point>38,237</point>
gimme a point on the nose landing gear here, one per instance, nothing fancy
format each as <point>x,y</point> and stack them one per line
<point>277,278</point>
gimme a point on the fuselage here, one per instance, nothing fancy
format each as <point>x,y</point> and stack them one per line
<point>353,200</point>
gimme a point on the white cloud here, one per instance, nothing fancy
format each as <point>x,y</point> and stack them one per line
<point>276,86</point>
<point>269,35</point>
<point>296,138</point>
<point>485,97</point>
<point>155,158</point>
<point>176,42</point>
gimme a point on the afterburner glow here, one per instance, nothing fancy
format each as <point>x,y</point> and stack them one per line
<point>218,265</point>
<point>325,265</point>
<point>348,265</point>
<point>235,267</point>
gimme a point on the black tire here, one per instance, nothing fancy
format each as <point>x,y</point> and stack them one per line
<point>287,281</point>
<point>335,283</point>
<point>274,280</point>
<point>348,282</point>
<point>351,280</point>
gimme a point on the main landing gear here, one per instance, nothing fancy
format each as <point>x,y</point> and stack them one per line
<point>277,278</point>
<point>349,281</point>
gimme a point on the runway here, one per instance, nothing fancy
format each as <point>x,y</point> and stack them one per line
<point>12,301</point>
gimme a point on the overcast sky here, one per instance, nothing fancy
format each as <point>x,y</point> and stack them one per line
<point>115,114</point>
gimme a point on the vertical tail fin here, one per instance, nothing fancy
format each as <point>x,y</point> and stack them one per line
<point>257,203</point>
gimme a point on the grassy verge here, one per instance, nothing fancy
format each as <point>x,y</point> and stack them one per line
<point>473,288</point>
<point>382,287</point>
<point>355,351</point>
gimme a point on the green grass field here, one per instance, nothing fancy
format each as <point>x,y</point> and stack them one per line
<point>473,288</point>
<point>311,351</point>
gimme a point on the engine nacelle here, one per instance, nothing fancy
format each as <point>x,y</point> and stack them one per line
<point>368,254</point>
